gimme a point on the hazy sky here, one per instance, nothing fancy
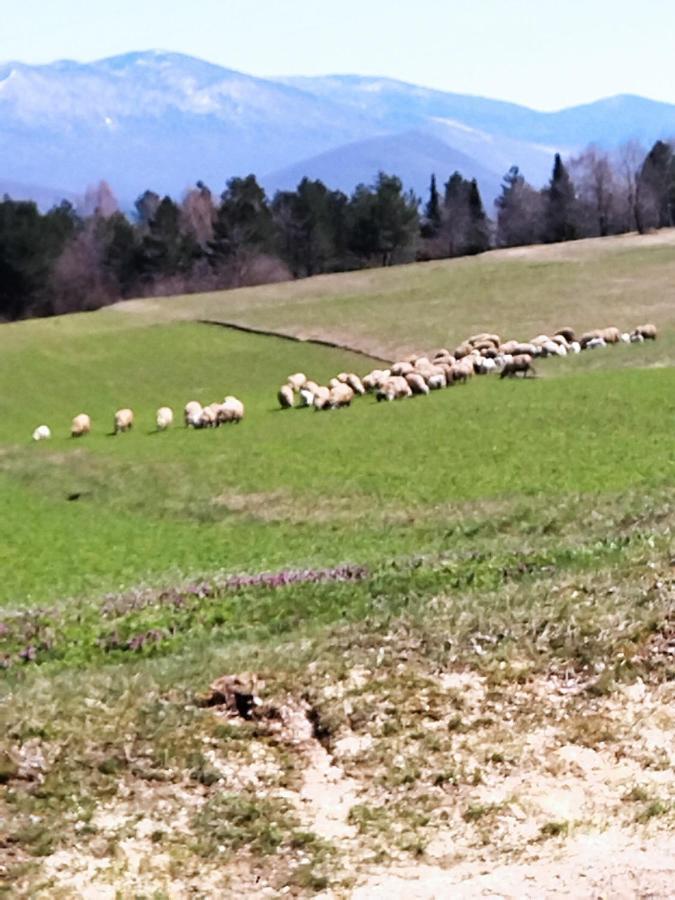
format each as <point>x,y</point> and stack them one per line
<point>535,52</point>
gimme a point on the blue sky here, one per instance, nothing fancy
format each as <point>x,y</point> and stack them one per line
<point>546,55</point>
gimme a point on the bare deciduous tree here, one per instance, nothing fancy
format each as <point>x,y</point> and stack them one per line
<point>99,200</point>
<point>630,158</point>
<point>595,182</point>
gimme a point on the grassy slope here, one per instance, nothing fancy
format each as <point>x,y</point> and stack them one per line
<point>531,524</point>
<point>283,489</point>
<point>517,293</point>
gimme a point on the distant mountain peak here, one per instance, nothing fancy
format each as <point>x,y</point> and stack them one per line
<point>163,120</point>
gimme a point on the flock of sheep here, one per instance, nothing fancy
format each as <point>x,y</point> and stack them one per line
<point>231,410</point>
<point>480,354</point>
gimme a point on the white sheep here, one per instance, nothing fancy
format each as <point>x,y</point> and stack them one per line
<point>417,384</point>
<point>636,338</point>
<point>575,346</point>
<point>209,416</point>
<point>230,410</point>
<point>124,420</point>
<point>595,343</point>
<point>394,388</point>
<point>436,381</point>
<point>286,397</point>
<point>625,337</point>
<point>193,413</point>
<point>297,381</point>
<point>306,396</point>
<point>80,425</point>
<point>340,395</point>
<point>355,384</point>
<point>321,397</point>
<point>164,418</point>
<point>42,433</point>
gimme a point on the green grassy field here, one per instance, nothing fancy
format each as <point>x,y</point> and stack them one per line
<point>512,527</point>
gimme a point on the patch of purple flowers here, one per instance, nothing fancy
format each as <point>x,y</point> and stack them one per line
<point>116,605</point>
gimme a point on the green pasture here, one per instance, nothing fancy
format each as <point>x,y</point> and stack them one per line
<point>521,528</point>
<point>284,488</point>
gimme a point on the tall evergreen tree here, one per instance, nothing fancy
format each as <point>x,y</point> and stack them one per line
<point>656,186</point>
<point>311,227</point>
<point>478,231</point>
<point>383,220</point>
<point>243,223</point>
<point>560,207</point>
<point>166,249</point>
<point>431,222</point>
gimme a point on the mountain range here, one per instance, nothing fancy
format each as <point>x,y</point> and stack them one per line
<point>164,120</point>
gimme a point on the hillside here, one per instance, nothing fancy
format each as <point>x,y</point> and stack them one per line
<point>399,649</point>
<point>180,119</point>
<point>395,311</point>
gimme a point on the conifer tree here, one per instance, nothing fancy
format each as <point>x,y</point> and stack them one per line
<point>431,222</point>
<point>560,213</point>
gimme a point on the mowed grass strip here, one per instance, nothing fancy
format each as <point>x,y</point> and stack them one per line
<point>284,488</point>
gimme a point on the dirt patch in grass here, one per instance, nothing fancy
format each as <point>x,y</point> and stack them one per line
<point>345,794</point>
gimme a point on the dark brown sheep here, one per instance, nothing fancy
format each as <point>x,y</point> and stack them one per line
<point>519,364</point>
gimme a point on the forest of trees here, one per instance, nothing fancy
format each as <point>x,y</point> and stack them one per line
<point>69,259</point>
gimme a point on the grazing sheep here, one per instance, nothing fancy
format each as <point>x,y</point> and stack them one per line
<point>164,418</point>
<point>417,384</point>
<point>648,332</point>
<point>551,348</point>
<point>375,379</point>
<point>286,397</point>
<point>596,342</point>
<point>401,369</point>
<point>42,433</point>
<point>561,340</point>
<point>625,337</point>
<point>124,420</point>
<point>636,338</point>
<point>209,416</point>
<point>462,351</point>
<point>297,381</point>
<point>436,381</point>
<point>575,347</point>
<point>442,353</point>
<point>306,396</point>
<point>610,335</point>
<point>321,397</point>
<point>567,333</point>
<point>588,336</point>
<point>230,410</point>
<point>192,413</point>
<point>521,364</point>
<point>340,396</point>
<point>80,425</point>
<point>484,365</point>
<point>448,371</point>
<point>462,371</point>
<point>395,388</point>
<point>355,384</point>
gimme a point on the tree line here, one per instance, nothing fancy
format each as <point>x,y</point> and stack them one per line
<point>69,259</point>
